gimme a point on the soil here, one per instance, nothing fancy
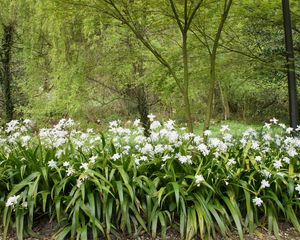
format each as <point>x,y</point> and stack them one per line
<point>46,230</point>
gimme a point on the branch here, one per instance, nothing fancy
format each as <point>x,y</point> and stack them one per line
<point>193,14</point>
<point>132,26</point>
<point>176,16</point>
<point>105,85</point>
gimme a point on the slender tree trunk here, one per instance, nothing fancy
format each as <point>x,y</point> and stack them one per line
<point>224,101</point>
<point>185,92</point>
<point>7,43</point>
<point>212,79</point>
<point>213,57</point>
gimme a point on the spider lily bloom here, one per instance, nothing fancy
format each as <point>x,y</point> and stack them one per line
<point>257,201</point>
<point>11,201</point>
<point>199,179</point>
<point>52,163</point>
<point>231,161</point>
<point>265,183</point>
<point>274,120</point>
<point>151,117</point>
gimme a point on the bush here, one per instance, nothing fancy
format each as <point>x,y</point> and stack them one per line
<point>125,183</point>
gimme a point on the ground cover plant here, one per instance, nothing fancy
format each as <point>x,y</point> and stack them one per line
<point>122,182</point>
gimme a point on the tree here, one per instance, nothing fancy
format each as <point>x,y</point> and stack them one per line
<point>5,73</point>
<point>124,13</point>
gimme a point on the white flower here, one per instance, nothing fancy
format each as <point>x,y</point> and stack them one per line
<point>257,158</point>
<point>185,159</point>
<point>255,145</point>
<point>286,160</point>
<point>165,158</point>
<point>298,188</point>
<point>292,152</point>
<point>274,120</point>
<point>265,183</point>
<point>143,158</point>
<point>267,125</point>
<point>155,125</point>
<point>203,149</point>
<point>90,130</point>
<point>12,126</point>
<point>25,139</point>
<point>257,201</point>
<point>136,122</point>
<point>289,130</point>
<point>231,161</point>
<point>169,124</point>
<point>277,164</point>
<point>137,160</point>
<point>69,123</point>
<point>113,124</point>
<point>126,149</point>
<point>78,183</point>
<point>198,140</point>
<point>282,125</point>
<point>159,148</point>
<point>148,148</point>
<point>92,159</point>
<point>85,166</point>
<point>70,171</point>
<point>199,179</point>
<point>52,163</point>
<point>172,136</point>
<point>154,136</point>
<point>227,137</point>
<point>267,137</point>
<point>66,164</point>
<point>59,153</point>
<point>207,133</point>
<point>224,128</point>
<point>266,173</point>
<point>59,142</point>
<point>116,156</point>
<point>27,122</point>
<point>12,200</point>
<point>151,117</point>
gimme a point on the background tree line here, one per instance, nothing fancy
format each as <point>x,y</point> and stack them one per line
<point>190,60</point>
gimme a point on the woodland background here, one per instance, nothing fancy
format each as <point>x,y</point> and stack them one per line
<point>100,60</point>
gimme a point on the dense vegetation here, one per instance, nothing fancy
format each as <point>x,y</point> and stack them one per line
<point>103,60</point>
<point>125,183</point>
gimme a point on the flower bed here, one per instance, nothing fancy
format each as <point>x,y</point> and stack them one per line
<point>126,183</point>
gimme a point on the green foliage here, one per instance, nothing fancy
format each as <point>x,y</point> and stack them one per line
<point>124,183</point>
<point>75,58</point>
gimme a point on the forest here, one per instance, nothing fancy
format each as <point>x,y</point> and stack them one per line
<point>149,119</point>
<point>97,61</point>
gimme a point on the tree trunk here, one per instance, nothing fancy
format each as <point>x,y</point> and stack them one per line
<point>7,43</point>
<point>185,92</point>
<point>212,79</point>
<point>224,101</point>
<point>213,56</point>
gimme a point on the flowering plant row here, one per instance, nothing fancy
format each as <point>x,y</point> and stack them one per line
<point>126,183</point>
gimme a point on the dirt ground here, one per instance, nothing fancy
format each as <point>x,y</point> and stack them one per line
<point>46,230</point>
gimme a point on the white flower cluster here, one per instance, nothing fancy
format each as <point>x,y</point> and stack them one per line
<point>77,152</point>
